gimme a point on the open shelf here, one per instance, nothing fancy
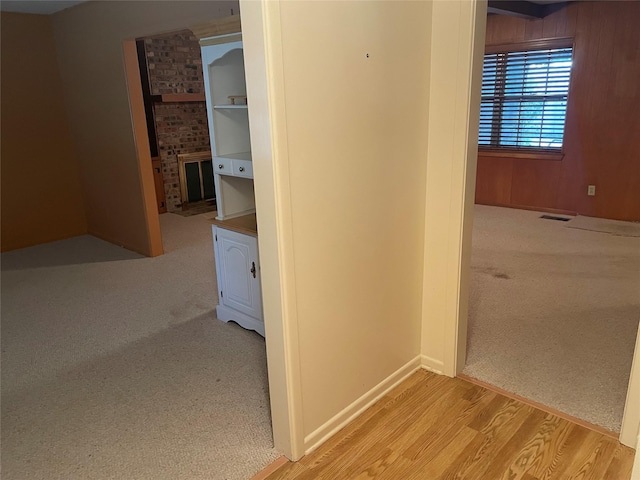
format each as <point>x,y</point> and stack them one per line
<point>236,156</point>
<point>243,224</point>
<point>229,107</point>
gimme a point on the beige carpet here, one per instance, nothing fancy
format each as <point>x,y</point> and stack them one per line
<point>115,367</point>
<point>614,227</point>
<point>553,312</point>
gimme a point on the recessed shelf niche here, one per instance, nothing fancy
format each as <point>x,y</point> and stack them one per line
<point>231,122</point>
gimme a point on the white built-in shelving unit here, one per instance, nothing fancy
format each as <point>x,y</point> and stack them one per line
<point>234,228</point>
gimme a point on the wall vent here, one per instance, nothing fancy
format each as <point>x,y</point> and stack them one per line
<point>553,217</point>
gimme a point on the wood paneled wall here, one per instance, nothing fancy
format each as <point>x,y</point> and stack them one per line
<point>41,183</point>
<point>602,133</point>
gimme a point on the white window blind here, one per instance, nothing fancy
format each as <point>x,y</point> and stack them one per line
<point>524,98</point>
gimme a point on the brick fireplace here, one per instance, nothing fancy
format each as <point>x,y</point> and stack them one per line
<point>174,66</point>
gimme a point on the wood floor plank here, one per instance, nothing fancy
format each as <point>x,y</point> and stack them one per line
<point>407,389</point>
<point>546,458</point>
<point>533,449</point>
<point>481,420</point>
<point>498,430</point>
<point>420,434</point>
<point>582,462</point>
<point>436,428</point>
<point>424,467</point>
<point>595,462</point>
<point>346,434</point>
<point>417,379</point>
<point>503,418</point>
<point>436,439</point>
<point>420,409</point>
<point>621,464</point>
<point>288,471</point>
<point>345,453</point>
<point>403,410</point>
<point>376,468</point>
<point>398,469</point>
<point>460,468</point>
<point>431,402</point>
<point>440,432</point>
<point>565,453</point>
<point>512,443</point>
<point>540,406</point>
<point>376,460</point>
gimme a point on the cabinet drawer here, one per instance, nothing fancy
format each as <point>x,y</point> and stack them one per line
<point>223,166</point>
<point>243,168</point>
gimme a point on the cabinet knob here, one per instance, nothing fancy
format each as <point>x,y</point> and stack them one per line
<point>253,269</point>
<point>220,166</point>
<point>241,169</point>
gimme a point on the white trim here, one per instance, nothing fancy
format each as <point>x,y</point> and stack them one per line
<point>635,475</point>
<point>265,87</point>
<point>470,47</point>
<point>226,314</point>
<point>218,39</point>
<point>450,179</point>
<point>284,218</point>
<point>470,66</point>
<point>432,365</point>
<point>324,432</point>
<point>631,418</point>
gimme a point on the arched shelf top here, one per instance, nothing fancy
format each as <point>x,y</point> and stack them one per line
<point>226,77</point>
<point>229,58</point>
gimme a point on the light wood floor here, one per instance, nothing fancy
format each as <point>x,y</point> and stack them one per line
<point>434,427</point>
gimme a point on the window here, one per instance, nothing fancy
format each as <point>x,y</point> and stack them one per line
<point>524,98</point>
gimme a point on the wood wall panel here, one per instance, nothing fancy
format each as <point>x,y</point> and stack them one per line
<point>493,180</point>
<point>535,182</point>
<point>602,133</point>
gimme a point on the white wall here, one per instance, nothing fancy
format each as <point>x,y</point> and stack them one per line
<point>348,175</point>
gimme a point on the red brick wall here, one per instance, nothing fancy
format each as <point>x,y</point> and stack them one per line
<point>175,66</point>
<point>180,128</point>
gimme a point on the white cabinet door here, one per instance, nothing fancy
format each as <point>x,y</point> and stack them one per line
<point>238,272</point>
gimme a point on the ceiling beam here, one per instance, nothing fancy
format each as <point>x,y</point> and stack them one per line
<point>523,9</point>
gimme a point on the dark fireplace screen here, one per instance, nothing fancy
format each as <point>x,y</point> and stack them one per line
<point>196,177</point>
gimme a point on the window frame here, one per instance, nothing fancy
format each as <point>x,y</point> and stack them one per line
<point>532,45</point>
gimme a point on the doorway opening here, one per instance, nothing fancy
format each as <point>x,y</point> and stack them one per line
<point>176,116</point>
<point>173,135</point>
<point>553,313</point>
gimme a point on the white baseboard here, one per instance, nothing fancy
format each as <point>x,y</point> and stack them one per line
<point>635,474</point>
<point>324,432</point>
<point>431,364</point>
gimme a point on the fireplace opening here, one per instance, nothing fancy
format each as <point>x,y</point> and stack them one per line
<point>196,178</point>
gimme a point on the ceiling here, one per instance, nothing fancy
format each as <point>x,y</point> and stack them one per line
<point>47,7</point>
<point>42,7</point>
<point>532,9</point>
